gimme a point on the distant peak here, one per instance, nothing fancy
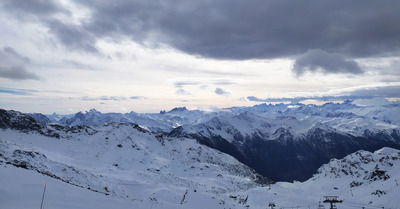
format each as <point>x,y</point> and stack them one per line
<point>92,111</point>
<point>178,109</point>
<point>347,101</point>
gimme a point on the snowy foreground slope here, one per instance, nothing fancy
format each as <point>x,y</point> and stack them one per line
<point>124,166</point>
<point>362,179</point>
<point>121,162</point>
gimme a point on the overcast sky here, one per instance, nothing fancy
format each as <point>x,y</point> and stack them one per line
<point>67,56</point>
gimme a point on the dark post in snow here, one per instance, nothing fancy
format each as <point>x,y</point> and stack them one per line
<point>44,191</point>
<point>332,200</point>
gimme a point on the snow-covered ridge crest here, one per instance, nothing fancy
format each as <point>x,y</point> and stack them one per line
<point>344,116</point>
<point>363,165</point>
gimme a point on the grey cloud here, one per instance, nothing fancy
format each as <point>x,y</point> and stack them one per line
<point>137,97</point>
<point>319,60</point>
<point>75,37</point>
<point>16,54</point>
<point>379,91</point>
<point>8,56</point>
<point>17,73</point>
<point>237,29</point>
<point>221,92</point>
<point>365,93</point>
<point>22,8</point>
<point>298,99</point>
<point>230,29</point>
<point>12,65</point>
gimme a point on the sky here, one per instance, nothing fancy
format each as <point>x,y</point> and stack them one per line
<point>67,56</point>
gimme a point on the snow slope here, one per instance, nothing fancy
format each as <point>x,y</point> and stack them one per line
<point>362,179</point>
<point>126,162</point>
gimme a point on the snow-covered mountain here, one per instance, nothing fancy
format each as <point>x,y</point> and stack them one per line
<point>361,180</point>
<point>161,122</point>
<point>283,141</point>
<point>290,142</point>
<point>122,166</point>
<point>336,115</point>
<point>124,161</point>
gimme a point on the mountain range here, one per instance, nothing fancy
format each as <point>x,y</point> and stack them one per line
<point>237,157</point>
<point>285,142</point>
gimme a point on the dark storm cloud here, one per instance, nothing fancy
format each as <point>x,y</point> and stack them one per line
<point>316,59</point>
<point>235,29</point>
<point>12,65</point>
<point>228,29</point>
<point>365,93</point>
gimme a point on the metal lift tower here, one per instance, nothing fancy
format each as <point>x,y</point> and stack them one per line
<point>332,200</point>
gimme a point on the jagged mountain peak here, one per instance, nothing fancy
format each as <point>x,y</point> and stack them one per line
<point>93,111</point>
<point>178,109</point>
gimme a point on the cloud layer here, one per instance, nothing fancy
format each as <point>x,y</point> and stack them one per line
<point>318,60</point>
<point>362,93</point>
<point>229,29</point>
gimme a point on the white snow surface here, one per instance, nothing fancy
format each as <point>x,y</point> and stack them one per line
<point>137,168</point>
<point>141,170</point>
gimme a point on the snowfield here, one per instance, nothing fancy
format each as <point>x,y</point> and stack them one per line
<point>119,161</point>
<point>143,171</point>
